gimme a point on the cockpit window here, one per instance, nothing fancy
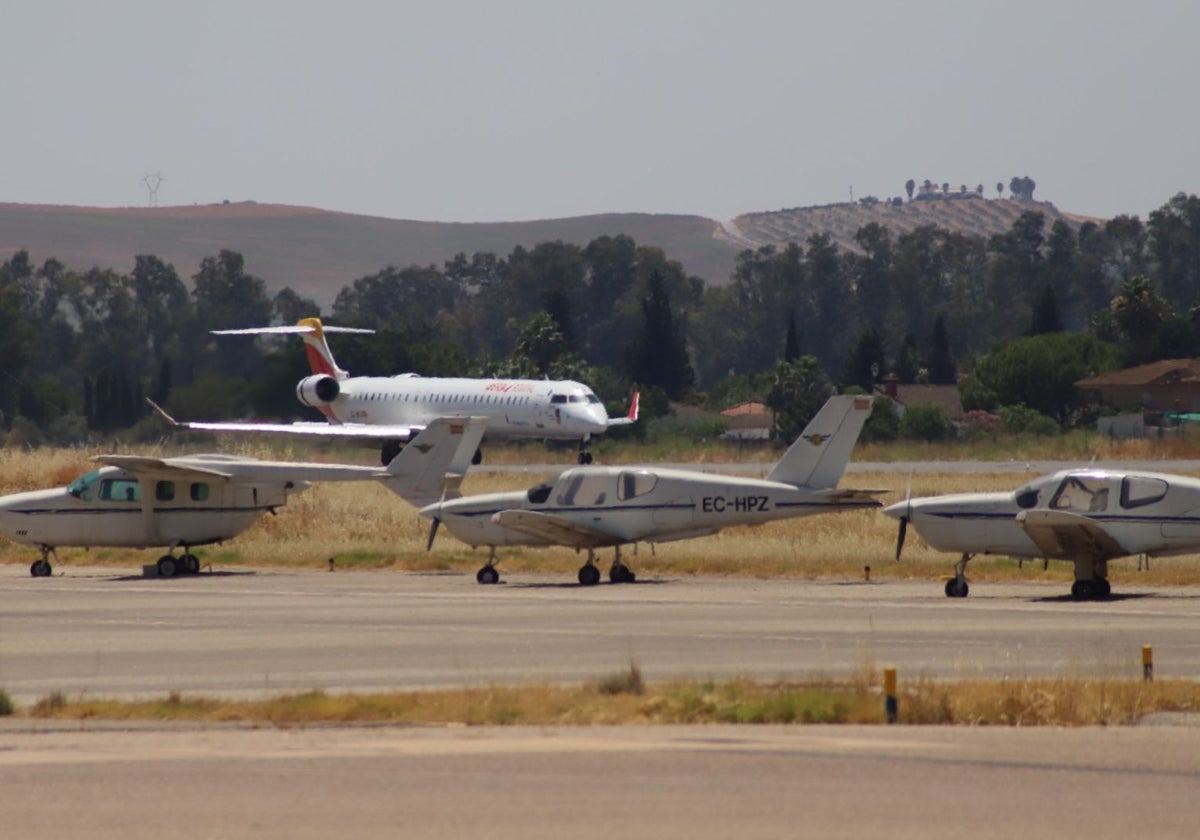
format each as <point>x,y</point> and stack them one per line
<point>84,486</point>
<point>578,398</point>
<point>1027,497</point>
<point>1139,490</point>
<point>1082,494</point>
<point>120,490</point>
<point>558,398</point>
<point>583,490</point>
<point>633,484</point>
<point>593,399</point>
<point>539,493</point>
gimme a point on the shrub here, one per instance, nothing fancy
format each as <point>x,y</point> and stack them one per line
<point>926,421</point>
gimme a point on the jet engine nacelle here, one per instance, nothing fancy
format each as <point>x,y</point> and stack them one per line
<point>319,390</point>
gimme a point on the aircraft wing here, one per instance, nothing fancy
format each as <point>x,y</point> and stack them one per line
<point>160,467</point>
<point>1059,534</point>
<point>848,496</point>
<point>344,431</point>
<point>554,529</point>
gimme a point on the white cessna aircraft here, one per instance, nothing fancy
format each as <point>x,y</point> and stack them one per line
<point>593,507</point>
<point>391,409</point>
<point>142,502</point>
<point>1086,516</point>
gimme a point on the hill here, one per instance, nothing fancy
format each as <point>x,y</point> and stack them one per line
<point>975,215</point>
<point>317,252</point>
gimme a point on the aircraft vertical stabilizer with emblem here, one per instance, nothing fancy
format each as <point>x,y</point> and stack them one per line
<point>432,465</point>
<point>819,456</point>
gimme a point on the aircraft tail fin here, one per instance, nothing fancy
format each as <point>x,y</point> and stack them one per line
<point>312,331</point>
<point>819,456</point>
<point>432,465</point>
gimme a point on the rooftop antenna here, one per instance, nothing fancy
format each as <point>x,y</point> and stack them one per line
<point>153,181</point>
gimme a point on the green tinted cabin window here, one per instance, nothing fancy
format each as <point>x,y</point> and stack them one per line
<point>164,491</point>
<point>120,490</point>
<point>199,492</point>
<point>84,487</point>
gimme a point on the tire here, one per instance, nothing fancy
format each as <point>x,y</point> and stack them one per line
<point>167,566</point>
<point>954,589</point>
<point>191,564</point>
<point>40,568</point>
<point>487,576</point>
<point>589,576</point>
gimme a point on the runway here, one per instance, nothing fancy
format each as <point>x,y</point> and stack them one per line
<point>96,632</point>
<point>93,631</point>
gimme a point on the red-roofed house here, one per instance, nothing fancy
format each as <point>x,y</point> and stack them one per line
<point>1166,385</point>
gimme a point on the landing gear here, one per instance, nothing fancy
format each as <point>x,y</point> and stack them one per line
<point>488,574</point>
<point>589,572</point>
<point>477,458</point>
<point>42,568</point>
<point>168,565</point>
<point>1091,580</point>
<point>585,456</point>
<point>620,573</point>
<point>957,586</point>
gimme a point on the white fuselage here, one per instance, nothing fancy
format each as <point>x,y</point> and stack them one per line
<point>108,509</point>
<point>1144,512</point>
<point>634,504</point>
<point>514,407</point>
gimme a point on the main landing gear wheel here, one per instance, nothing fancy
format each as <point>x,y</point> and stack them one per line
<point>620,573</point>
<point>40,568</point>
<point>589,575</point>
<point>957,588</point>
<point>585,458</point>
<point>191,564</point>
<point>167,566</point>
<point>487,575</point>
<point>1091,590</point>
<point>477,458</point>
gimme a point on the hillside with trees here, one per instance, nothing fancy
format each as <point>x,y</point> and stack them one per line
<point>1012,317</point>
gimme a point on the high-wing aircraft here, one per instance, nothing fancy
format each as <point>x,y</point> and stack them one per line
<point>391,409</point>
<point>593,507</point>
<point>1085,516</point>
<point>140,502</point>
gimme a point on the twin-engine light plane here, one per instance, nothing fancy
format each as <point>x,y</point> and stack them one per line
<point>389,410</point>
<point>1085,516</point>
<point>140,502</point>
<point>594,507</point>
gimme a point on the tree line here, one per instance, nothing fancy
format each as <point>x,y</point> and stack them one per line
<point>84,348</point>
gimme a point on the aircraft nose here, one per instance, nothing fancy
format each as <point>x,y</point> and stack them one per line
<point>896,510</point>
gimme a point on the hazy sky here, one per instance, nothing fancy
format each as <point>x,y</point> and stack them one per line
<point>485,111</point>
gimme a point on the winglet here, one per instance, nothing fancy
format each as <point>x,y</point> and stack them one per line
<point>818,457</point>
<point>161,412</point>
<point>629,418</point>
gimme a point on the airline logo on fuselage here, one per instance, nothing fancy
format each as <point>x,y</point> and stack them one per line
<point>509,387</point>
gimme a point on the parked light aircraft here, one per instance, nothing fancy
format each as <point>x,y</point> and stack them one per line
<point>1085,516</point>
<point>391,409</point>
<point>593,507</point>
<point>141,502</point>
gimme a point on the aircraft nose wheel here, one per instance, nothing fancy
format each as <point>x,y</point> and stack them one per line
<point>487,575</point>
<point>40,568</point>
<point>585,458</point>
<point>957,588</point>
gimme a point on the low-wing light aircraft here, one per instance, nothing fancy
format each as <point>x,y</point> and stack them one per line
<point>1085,516</point>
<point>141,502</point>
<point>391,409</point>
<point>594,507</point>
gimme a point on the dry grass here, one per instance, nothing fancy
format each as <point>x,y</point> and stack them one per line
<point>362,525</point>
<point>1026,702</point>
